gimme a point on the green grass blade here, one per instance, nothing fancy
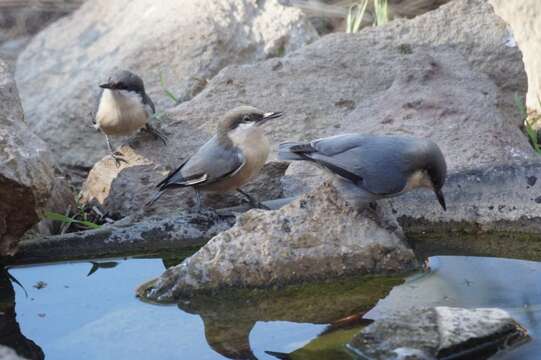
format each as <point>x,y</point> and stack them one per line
<point>68,220</point>
<point>530,131</point>
<point>381,10</point>
<point>166,91</point>
<point>360,14</point>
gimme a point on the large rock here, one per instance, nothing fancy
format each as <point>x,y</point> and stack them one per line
<point>434,333</point>
<point>447,75</point>
<point>186,42</point>
<point>21,19</point>
<point>27,177</point>
<point>524,19</point>
<point>315,237</point>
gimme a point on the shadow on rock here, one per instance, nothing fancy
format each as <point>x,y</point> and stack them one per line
<point>10,332</point>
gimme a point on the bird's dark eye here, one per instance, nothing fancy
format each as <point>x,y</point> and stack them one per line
<point>246,118</point>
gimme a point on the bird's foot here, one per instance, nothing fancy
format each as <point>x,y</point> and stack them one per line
<point>157,133</point>
<point>118,158</point>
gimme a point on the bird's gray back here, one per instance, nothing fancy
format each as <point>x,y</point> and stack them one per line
<point>382,163</point>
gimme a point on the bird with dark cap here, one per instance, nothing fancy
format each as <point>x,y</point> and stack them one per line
<point>375,166</point>
<point>228,160</point>
<point>124,108</point>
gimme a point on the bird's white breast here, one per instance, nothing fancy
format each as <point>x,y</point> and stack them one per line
<point>121,112</point>
<point>254,144</point>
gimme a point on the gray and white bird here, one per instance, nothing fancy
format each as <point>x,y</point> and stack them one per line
<point>228,160</point>
<point>124,108</point>
<point>375,166</point>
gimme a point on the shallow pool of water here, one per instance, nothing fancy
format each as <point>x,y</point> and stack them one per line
<point>74,316</point>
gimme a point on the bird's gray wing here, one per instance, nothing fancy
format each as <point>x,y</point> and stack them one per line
<point>148,101</point>
<point>376,163</point>
<point>211,163</point>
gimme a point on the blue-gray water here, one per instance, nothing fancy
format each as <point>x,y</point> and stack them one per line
<point>98,316</point>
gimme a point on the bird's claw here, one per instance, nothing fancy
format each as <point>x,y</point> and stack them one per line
<point>157,134</point>
<point>118,158</point>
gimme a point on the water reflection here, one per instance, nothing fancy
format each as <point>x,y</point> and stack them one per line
<point>471,282</point>
<point>10,332</point>
<point>98,317</point>
<point>230,317</point>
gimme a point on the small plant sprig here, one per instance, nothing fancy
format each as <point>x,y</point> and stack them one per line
<point>83,217</point>
<point>167,92</point>
<point>528,122</point>
<point>68,220</point>
<point>381,10</point>
<point>355,16</point>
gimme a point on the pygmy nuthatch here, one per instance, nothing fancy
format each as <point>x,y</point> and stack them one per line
<point>229,159</point>
<point>376,166</point>
<point>123,108</point>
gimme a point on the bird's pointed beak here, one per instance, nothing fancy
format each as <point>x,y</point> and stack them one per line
<point>441,199</point>
<point>108,85</point>
<point>269,115</point>
<point>272,115</point>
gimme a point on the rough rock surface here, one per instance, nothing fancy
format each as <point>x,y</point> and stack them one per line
<point>446,75</point>
<point>21,19</point>
<point>316,236</point>
<point>186,42</point>
<point>27,177</point>
<point>438,332</point>
<point>181,231</point>
<point>524,19</point>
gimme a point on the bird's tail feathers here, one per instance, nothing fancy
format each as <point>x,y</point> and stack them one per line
<point>293,150</point>
<point>154,198</point>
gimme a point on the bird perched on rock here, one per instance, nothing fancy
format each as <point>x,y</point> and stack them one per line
<point>124,108</point>
<point>375,166</point>
<point>229,159</point>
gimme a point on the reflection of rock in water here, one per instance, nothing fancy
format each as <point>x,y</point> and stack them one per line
<point>230,315</point>
<point>10,332</point>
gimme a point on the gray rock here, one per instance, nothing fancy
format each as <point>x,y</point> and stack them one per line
<point>494,198</point>
<point>438,332</point>
<point>28,185</point>
<point>524,18</point>
<point>317,236</point>
<point>181,231</point>
<point>446,75</point>
<point>21,19</point>
<point>187,42</point>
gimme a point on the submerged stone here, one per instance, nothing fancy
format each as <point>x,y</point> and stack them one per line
<point>439,332</point>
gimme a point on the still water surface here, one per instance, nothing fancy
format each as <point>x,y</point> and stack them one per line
<point>76,316</point>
